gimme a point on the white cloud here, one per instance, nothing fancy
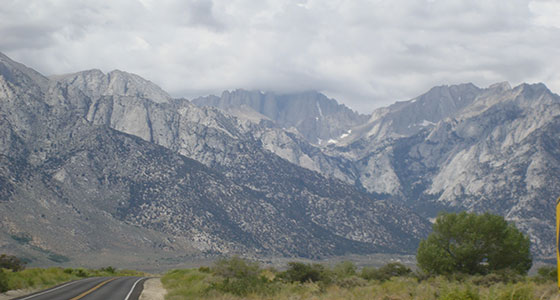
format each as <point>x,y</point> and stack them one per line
<point>365,53</point>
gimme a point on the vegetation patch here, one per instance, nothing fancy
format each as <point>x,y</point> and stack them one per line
<point>20,278</point>
<point>22,238</point>
<point>236,278</point>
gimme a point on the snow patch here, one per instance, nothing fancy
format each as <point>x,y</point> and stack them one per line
<point>427,123</point>
<point>319,109</point>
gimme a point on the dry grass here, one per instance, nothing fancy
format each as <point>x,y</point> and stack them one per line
<point>193,284</point>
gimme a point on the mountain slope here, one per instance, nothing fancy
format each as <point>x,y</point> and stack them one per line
<point>317,118</point>
<point>87,171</point>
<point>456,147</point>
<point>495,154</point>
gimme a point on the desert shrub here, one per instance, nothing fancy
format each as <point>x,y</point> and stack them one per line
<point>3,281</point>
<point>486,280</point>
<point>509,275</point>
<point>420,275</point>
<point>351,282</point>
<point>109,269</point>
<point>11,262</point>
<point>385,272</point>
<point>517,292</point>
<point>394,269</point>
<point>77,272</point>
<point>344,269</point>
<point>301,272</point>
<point>240,277</point>
<point>547,273</point>
<point>466,293</point>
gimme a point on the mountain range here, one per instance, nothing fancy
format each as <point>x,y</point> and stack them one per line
<point>98,165</point>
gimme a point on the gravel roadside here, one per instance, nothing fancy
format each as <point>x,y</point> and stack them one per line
<point>153,290</point>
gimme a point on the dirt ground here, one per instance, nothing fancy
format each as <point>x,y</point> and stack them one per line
<point>153,290</point>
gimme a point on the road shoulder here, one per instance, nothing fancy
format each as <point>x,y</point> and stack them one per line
<point>153,290</point>
<point>17,293</point>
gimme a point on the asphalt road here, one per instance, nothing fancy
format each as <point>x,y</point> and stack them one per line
<point>97,288</point>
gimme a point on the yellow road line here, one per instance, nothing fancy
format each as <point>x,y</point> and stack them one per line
<point>92,289</point>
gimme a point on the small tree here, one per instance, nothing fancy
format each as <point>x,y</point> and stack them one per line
<point>302,272</point>
<point>3,281</point>
<point>11,262</point>
<point>239,277</point>
<point>386,272</point>
<point>474,244</point>
<point>344,269</point>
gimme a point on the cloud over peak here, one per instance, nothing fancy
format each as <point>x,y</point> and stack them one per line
<point>364,53</point>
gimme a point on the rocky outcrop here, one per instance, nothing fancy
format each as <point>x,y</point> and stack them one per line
<point>495,152</point>
<point>456,147</point>
<point>84,162</point>
<point>317,118</point>
<point>268,183</point>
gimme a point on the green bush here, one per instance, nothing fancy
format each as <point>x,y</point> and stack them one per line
<point>474,244</point>
<point>385,272</point>
<point>460,294</point>
<point>109,269</point>
<point>301,272</point>
<point>394,269</point>
<point>351,282</point>
<point>487,280</point>
<point>517,292</point>
<point>3,281</point>
<point>344,269</point>
<point>80,272</point>
<point>547,273</point>
<point>11,262</point>
<point>240,277</point>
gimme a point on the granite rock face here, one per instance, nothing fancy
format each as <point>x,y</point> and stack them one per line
<point>92,164</point>
<point>456,147</point>
<point>266,174</point>
<point>315,117</point>
<point>492,149</point>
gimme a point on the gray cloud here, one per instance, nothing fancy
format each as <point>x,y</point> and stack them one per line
<point>364,53</point>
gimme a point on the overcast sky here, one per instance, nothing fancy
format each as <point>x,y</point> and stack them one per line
<point>365,54</point>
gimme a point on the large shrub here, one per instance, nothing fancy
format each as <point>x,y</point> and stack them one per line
<point>386,272</point>
<point>239,277</point>
<point>11,262</point>
<point>301,272</point>
<point>474,244</point>
<point>3,281</point>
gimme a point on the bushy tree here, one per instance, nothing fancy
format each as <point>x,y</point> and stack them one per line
<point>11,262</point>
<point>386,272</point>
<point>3,281</point>
<point>547,273</point>
<point>344,269</point>
<point>302,272</point>
<point>239,277</point>
<point>474,244</point>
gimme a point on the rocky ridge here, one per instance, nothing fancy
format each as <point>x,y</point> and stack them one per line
<point>456,147</point>
<point>85,160</point>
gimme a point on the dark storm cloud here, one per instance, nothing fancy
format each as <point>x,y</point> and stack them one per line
<point>365,53</point>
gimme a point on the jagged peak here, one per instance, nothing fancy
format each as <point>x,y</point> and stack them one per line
<point>20,74</point>
<point>539,86</point>
<point>115,82</point>
<point>504,86</point>
<point>85,73</point>
<point>445,88</point>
